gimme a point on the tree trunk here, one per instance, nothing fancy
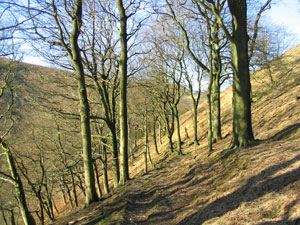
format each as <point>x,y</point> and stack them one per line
<point>169,125</point>
<point>134,136</point>
<point>154,136</point>
<point>124,169</point>
<point>179,146</point>
<point>104,168</point>
<point>195,124</point>
<point>42,216</point>
<point>145,160</point>
<point>12,217</point>
<point>115,159</point>
<point>68,193</point>
<point>216,109</point>
<point>110,112</point>
<point>170,135</point>
<point>209,119</point>
<point>99,191</point>
<point>84,109</point>
<point>147,151</point>
<point>20,194</point>
<point>3,216</point>
<point>159,132</point>
<point>74,187</point>
<point>242,122</point>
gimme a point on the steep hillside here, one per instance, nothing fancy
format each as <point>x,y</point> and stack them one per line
<point>256,185</point>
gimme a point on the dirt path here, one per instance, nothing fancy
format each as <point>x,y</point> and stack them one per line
<point>227,187</point>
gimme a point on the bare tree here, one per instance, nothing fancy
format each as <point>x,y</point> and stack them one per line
<point>7,121</point>
<point>63,33</point>
<point>238,36</point>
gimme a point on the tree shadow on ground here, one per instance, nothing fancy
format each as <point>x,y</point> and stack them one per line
<point>141,201</point>
<point>256,187</point>
<point>285,132</point>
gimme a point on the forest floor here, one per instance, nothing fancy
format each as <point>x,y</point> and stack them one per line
<point>255,185</point>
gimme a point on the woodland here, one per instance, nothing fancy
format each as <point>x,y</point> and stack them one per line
<point>150,112</point>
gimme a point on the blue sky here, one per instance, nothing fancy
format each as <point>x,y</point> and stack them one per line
<point>287,13</point>
<point>282,12</point>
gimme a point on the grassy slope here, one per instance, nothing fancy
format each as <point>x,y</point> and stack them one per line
<point>256,185</point>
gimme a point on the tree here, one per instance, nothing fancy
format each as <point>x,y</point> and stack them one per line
<point>100,59</point>
<point>195,74</point>
<point>66,37</point>
<point>242,122</point>
<point>6,91</point>
<point>7,103</point>
<point>210,41</point>
<point>124,168</point>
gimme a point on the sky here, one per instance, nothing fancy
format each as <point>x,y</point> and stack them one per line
<point>287,13</point>
<point>282,12</point>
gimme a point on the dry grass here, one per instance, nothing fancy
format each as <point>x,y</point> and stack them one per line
<point>256,185</point>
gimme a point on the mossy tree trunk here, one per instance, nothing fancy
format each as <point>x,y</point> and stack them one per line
<point>168,118</point>
<point>124,169</point>
<point>12,217</point>
<point>15,179</point>
<point>74,53</point>
<point>216,109</point>
<point>109,109</point>
<point>73,186</point>
<point>104,166</point>
<point>159,132</point>
<point>195,98</point>
<point>105,79</point>
<point>179,142</point>
<point>84,109</point>
<point>155,118</point>
<point>216,70</point>
<point>146,132</point>
<point>213,42</point>
<point>242,122</point>
<point>99,191</point>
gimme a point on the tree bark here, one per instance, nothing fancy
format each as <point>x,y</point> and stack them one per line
<point>159,132</point>
<point>242,121</point>
<point>84,109</point>
<point>104,168</point>
<point>3,216</point>
<point>179,146</point>
<point>154,135</point>
<point>73,187</point>
<point>146,130</point>
<point>19,190</point>
<point>109,112</point>
<point>12,217</point>
<point>115,155</point>
<point>99,191</point>
<point>216,109</point>
<point>195,123</point>
<point>209,119</point>
<point>124,169</point>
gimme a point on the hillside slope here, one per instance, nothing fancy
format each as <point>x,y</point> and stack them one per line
<point>256,185</point>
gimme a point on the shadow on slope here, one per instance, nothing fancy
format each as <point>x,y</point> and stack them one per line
<point>286,132</point>
<point>255,187</point>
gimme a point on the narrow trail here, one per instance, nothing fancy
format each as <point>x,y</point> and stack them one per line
<point>258,185</point>
<point>150,198</point>
<point>206,191</point>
